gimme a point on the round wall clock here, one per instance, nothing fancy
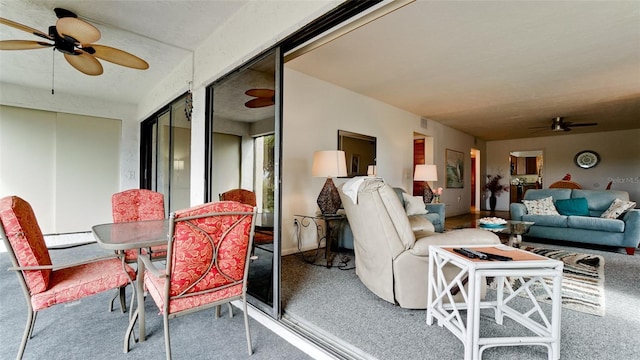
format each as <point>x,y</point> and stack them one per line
<point>587,159</point>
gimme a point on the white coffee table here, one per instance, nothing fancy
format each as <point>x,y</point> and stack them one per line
<point>527,268</point>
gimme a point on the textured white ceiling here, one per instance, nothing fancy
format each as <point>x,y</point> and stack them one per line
<point>495,68</point>
<point>164,33</point>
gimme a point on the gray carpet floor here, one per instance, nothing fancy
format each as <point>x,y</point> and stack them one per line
<point>335,303</point>
<point>86,330</point>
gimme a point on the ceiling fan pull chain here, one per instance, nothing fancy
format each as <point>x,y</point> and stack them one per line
<point>53,69</point>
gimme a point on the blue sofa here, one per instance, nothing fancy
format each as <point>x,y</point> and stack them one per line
<point>623,232</point>
<point>435,215</point>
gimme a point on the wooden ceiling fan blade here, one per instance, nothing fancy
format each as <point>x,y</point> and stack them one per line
<point>22,45</point>
<point>85,63</point>
<point>260,93</point>
<point>259,102</point>
<point>82,31</point>
<point>582,124</point>
<point>118,57</point>
<point>26,28</point>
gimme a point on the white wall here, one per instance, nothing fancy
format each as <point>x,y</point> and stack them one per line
<point>619,160</point>
<point>66,166</point>
<point>315,110</point>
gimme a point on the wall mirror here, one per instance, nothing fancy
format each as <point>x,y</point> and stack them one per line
<point>359,151</point>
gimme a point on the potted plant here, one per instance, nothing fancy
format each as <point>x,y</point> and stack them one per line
<point>494,186</point>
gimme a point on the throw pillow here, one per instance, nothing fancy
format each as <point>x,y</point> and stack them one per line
<point>414,205</point>
<point>541,207</point>
<point>577,206</point>
<point>617,208</point>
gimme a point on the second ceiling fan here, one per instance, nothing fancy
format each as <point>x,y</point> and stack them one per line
<point>558,124</point>
<point>263,98</point>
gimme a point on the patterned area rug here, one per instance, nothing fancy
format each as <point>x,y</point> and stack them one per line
<point>582,281</point>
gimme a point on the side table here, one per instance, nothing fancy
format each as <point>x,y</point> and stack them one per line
<point>527,268</point>
<point>327,234</point>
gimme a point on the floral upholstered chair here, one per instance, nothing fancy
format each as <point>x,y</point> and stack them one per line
<point>43,284</point>
<point>240,195</point>
<point>262,235</point>
<point>207,262</point>
<point>137,205</point>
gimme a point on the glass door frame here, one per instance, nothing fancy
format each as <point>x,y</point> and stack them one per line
<point>274,310</point>
<point>148,169</point>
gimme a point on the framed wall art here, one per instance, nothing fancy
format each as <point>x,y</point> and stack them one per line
<point>454,161</point>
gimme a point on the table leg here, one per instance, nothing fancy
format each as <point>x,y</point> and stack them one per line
<point>499,298</point>
<point>473,314</point>
<point>555,313</point>
<point>431,281</point>
<point>515,240</point>
<point>140,297</point>
<point>328,243</point>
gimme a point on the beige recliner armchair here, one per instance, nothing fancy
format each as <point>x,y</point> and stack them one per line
<point>392,252</point>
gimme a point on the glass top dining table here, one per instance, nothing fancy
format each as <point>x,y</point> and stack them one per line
<point>132,235</point>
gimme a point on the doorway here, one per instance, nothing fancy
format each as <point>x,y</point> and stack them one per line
<point>422,154</point>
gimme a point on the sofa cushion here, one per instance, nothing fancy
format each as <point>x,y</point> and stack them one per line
<point>557,194</point>
<point>420,223</point>
<point>577,206</point>
<point>617,208</point>
<point>547,220</point>
<point>414,205</point>
<point>599,200</point>
<point>542,206</point>
<point>595,223</point>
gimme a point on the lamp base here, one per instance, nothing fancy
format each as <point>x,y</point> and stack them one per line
<point>427,195</point>
<point>329,199</point>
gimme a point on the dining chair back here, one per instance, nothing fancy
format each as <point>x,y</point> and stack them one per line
<point>43,284</point>
<point>207,262</point>
<point>240,195</point>
<point>263,235</point>
<point>138,205</point>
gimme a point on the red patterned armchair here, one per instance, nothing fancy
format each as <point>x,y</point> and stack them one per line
<point>43,284</point>
<point>207,262</point>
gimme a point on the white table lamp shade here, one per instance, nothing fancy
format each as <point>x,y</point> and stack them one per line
<point>425,173</point>
<point>329,163</point>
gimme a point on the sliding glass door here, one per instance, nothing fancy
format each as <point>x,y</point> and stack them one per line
<point>165,156</point>
<point>243,151</point>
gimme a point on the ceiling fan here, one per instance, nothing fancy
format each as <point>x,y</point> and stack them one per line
<point>75,39</point>
<point>263,98</point>
<point>558,124</point>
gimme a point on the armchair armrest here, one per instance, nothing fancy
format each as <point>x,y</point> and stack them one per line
<point>632,228</point>
<point>517,211</point>
<point>439,209</point>
<point>150,267</point>
<point>60,267</point>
